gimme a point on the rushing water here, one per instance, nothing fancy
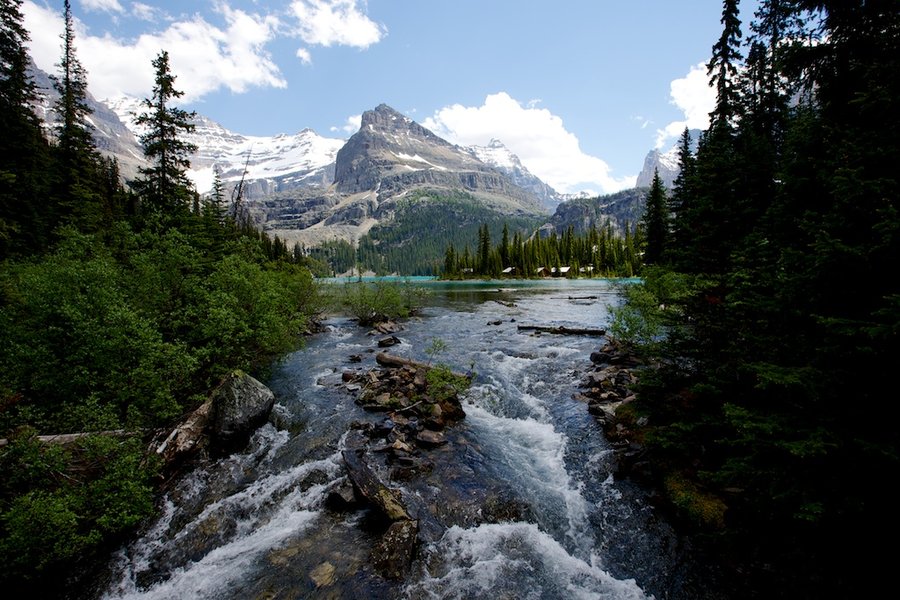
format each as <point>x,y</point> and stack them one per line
<point>520,503</point>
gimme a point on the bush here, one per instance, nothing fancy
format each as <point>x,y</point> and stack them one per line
<point>381,300</point>
<point>61,505</point>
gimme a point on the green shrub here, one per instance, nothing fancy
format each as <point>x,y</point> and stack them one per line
<point>381,300</point>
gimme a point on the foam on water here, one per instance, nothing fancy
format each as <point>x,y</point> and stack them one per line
<point>225,565</point>
<point>256,518</point>
<point>534,453</point>
<point>513,560</point>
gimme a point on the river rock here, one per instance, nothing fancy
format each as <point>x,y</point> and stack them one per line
<point>394,552</point>
<point>323,575</point>
<point>430,439</point>
<point>239,405</point>
<point>388,341</point>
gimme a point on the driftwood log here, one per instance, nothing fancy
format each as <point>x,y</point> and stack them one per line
<point>563,330</point>
<point>68,438</point>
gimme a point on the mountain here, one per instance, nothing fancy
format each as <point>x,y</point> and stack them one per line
<point>501,158</point>
<point>272,163</point>
<point>667,162</point>
<point>391,163</point>
<point>613,210</point>
<point>392,154</point>
<point>111,136</point>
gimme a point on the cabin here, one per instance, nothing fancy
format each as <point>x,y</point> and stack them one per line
<point>509,271</point>
<point>542,272</point>
<point>561,271</point>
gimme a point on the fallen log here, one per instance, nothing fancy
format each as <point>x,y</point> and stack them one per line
<point>367,483</point>
<point>576,297</point>
<point>561,330</point>
<point>63,439</point>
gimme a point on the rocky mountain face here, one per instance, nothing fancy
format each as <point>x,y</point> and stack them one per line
<point>617,210</point>
<point>393,154</point>
<point>272,163</point>
<point>390,158</point>
<point>111,136</point>
<point>502,159</point>
<point>666,162</point>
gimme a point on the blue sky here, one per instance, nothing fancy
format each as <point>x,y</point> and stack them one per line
<point>581,90</point>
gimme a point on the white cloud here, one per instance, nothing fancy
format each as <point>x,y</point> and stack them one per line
<point>203,57</point>
<point>351,126</point>
<point>107,5</point>
<point>695,98</point>
<point>144,12</point>
<point>535,135</point>
<point>304,56</point>
<point>341,22</point>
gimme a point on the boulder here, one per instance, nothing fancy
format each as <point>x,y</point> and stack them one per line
<point>394,552</point>
<point>239,406</point>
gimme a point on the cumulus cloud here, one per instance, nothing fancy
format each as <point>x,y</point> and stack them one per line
<point>695,98</point>
<point>203,56</point>
<point>107,5</point>
<point>350,126</point>
<point>304,56</point>
<point>535,135</point>
<point>340,22</point>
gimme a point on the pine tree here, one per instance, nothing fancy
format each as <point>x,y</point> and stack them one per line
<point>723,68</point>
<point>78,162</point>
<point>25,219</point>
<point>656,222</point>
<point>164,185</point>
<point>679,198</point>
<point>504,247</point>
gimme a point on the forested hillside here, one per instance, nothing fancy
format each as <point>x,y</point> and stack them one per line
<point>770,419</point>
<point>119,310</point>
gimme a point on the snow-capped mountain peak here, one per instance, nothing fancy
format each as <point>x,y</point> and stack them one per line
<point>280,161</point>
<point>498,156</point>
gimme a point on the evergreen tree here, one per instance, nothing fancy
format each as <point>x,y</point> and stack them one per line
<point>25,219</point>
<point>78,163</point>
<point>656,222</point>
<point>484,250</point>
<point>164,185</point>
<point>723,67</point>
<point>504,247</point>
<point>679,198</point>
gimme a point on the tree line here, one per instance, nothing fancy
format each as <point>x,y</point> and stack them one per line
<point>772,283</point>
<point>599,252</point>
<point>121,306</point>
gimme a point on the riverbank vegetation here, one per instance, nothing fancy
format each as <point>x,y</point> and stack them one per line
<point>120,308</point>
<point>772,309</point>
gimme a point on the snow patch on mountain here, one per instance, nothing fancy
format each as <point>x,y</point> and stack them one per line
<point>300,157</point>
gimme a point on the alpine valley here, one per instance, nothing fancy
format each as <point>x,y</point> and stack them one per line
<point>393,187</point>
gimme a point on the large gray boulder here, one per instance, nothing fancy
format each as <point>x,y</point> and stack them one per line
<point>239,406</point>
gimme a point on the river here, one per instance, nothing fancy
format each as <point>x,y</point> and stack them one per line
<point>520,504</point>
